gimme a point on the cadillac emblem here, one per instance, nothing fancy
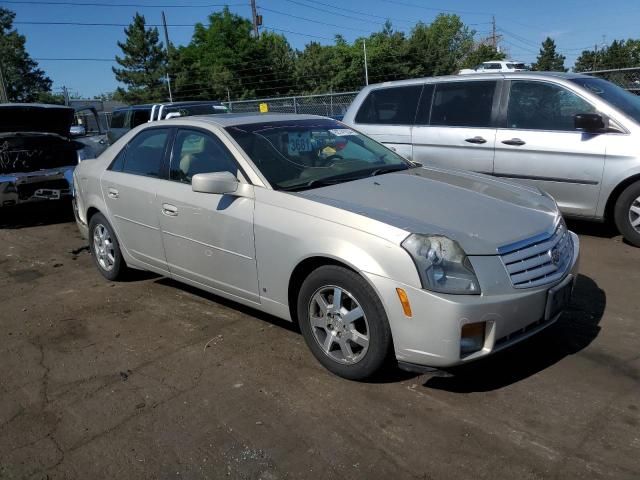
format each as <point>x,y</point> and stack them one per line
<point>554,254</point>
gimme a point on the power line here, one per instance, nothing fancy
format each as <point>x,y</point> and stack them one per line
<point>434,9</point>
<point>342,9</point>
<point>137,5</point>
<point>98,24</point>
<point>312,20</point>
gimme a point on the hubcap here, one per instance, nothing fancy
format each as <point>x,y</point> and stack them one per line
<point>103,247</point>
<point>634,214</point>
<point>339,324</point>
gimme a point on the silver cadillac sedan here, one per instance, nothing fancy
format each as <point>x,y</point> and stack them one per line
<point>299,216</point>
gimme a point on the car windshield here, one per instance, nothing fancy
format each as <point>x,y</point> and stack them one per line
<point>302,154</point>
<point>618,97</point>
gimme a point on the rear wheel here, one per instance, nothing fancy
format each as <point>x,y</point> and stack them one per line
<point>105,248</point>
<point>343,322</point>
<point>627,214</point>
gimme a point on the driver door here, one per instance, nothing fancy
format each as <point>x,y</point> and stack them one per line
<point>208,238</point>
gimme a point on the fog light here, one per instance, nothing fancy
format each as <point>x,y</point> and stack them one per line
<point>472,338</point>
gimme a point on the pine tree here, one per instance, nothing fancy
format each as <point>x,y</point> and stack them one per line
<point>548,59</point>
<point>23,80</point>
<point>143,64</point>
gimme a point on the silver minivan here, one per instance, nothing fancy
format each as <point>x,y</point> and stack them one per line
<point>574,136</point>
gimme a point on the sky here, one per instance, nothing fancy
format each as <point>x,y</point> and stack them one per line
<point>574,24</point>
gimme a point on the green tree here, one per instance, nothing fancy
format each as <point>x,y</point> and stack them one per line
<point>482,53</point>
<point>439,48</point>
<point>24,81</point>
<point>143,64</point>
<point>548,59</point>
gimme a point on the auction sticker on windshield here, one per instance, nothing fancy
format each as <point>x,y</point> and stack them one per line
<point>342,132</point>
<point>299,142</point>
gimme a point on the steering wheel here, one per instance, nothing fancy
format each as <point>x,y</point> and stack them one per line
<point>331,160</point>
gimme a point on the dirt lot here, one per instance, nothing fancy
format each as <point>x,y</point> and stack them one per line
<point>150,379</point>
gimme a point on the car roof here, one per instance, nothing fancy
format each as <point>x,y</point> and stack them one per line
<point>149,106</point>
<point>481,76</point>
<point>233,119</point>
<point>34,105</point>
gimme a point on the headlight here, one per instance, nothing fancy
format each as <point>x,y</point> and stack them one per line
<point>442,264</point>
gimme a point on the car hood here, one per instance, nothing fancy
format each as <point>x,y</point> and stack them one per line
<point>38,118</point>
<point>479,212</point>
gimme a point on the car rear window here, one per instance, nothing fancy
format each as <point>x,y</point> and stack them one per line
<point>390,106</point>
<point>463,104</point>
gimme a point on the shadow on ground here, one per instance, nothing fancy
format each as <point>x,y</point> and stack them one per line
<point>593,229</point>
<point>36,214</point>
<point>574,331</point>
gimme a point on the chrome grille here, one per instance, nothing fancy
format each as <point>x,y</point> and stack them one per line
<point>540,260</point>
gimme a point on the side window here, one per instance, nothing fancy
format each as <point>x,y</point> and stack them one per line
<point>117,119</point>
<point>544,106</point>
<point>199,152</point>
<point>145,152</point>
<point>463,104</point>
<point>140,116</point>
<point>118,163</point>
<point>390,106</point>
<point>424,109</point>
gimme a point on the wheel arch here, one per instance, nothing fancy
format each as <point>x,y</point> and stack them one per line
<point>615,194</point>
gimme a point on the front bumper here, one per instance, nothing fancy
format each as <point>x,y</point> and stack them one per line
<point>431,337</point>
<point>27,187</point>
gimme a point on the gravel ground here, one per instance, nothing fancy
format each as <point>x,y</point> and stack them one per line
<point>151,379</point>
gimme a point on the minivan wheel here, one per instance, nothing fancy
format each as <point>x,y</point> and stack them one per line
<point>627,214</point>
<point>105,248</point>
<point>343,322</point>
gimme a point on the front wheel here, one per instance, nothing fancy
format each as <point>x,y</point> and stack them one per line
<point>627,214</point>
<point>105,248</point>
<point>343,322</point>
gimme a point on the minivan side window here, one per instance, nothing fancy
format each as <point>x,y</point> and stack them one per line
<point>544,106</point>
<point>117,119</point>
<point>140,116</point>
<point>199,152</point>
<point>463,104</point>
<point>390,106</point>
<point>145,152</point>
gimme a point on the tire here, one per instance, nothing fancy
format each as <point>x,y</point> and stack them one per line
<point>627,213</point>
<point>353,343</point>
<point>105,248</point>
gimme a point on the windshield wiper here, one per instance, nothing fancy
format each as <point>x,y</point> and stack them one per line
<point>388,169</point>
<point>333,180</point>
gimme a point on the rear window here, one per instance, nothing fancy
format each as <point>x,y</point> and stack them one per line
<point>140,117</point>
<point>463,104</point>
<point>390,106</point>
<point>117,119</point>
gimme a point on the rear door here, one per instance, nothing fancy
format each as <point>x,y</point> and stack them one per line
<point>538,144</point>
<point>387,115</point>
<point>456,124</point>
<point>130,187</point>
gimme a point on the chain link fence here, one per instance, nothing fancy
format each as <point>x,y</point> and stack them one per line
<point>627,78</point>
<point>329,105</point>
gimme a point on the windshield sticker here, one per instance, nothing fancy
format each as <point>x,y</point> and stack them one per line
<point>342,132</point>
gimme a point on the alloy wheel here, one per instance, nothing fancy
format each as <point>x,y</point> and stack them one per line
<point>103,247</point>
<point>339,324</point>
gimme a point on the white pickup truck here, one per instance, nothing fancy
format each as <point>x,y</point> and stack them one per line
<point>497,66</point>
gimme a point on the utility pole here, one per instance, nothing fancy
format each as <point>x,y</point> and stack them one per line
<point>494,37</point>
<point>65,95</point>
<point>254,16</point>
<point>3,91</point>
<point>166,39</point>
<point>366,70</point>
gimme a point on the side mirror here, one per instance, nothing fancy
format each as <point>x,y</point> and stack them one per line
<point>77,131</point>
<point>590,122</point>
<point>215,182</point>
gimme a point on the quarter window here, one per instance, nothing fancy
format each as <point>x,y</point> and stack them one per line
<point>145,152</point>
<point>463,104</point>
<point>390,106</point>
<point>544,106</point>
<point>198,152</point>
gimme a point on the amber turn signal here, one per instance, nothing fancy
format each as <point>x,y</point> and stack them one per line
<point>404,301</point>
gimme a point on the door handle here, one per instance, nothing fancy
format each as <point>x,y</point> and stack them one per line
<point>477,140</point>
<point>169,210</point>
<point>516,142</point>
<point>113,193</point>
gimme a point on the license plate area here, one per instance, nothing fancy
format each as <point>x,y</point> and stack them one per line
<point>558,298</point>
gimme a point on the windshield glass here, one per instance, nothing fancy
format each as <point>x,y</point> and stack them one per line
<point>620,98</point>
<point>303,154</point>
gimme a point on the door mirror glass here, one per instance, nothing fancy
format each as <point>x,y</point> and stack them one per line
<point>215,182</point>
<point>589,122</point>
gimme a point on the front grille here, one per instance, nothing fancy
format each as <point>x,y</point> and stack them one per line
<point>539,261</point>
